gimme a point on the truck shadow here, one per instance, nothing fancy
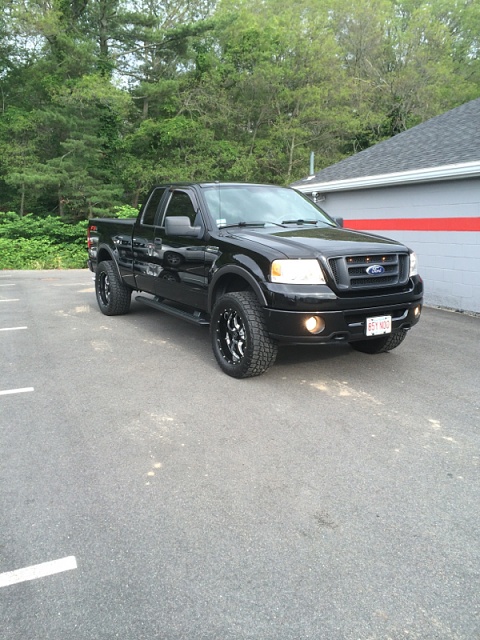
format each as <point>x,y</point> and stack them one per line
<point>289,355</point>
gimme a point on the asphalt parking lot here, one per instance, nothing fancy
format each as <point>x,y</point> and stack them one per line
<point>146,495</point>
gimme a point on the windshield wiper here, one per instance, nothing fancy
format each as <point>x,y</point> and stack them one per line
<point>243,223</point>
<point>301,221</point>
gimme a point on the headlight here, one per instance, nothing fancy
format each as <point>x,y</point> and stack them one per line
<point>296,272</point>
<point>413,265</point>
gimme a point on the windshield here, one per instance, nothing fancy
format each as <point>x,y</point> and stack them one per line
<point>244,205</point>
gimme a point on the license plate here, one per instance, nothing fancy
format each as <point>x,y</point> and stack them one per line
<point>378,326</point>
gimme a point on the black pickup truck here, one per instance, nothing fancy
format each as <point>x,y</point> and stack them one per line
<point>262,265</point>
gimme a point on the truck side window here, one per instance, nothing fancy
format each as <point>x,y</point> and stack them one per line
<point>181,205</point>
<point>152,206</point>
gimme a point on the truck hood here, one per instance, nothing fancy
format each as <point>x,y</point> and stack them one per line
<point>326,241</point>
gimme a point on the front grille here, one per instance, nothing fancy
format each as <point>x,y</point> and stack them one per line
<point>333,267</point>
<point>360,271</point>
<point>386,270</point>
<point>367,282</point>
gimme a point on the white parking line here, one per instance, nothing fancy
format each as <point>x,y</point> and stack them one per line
<point>8,392</point>
<point>11,300</point>
<point>8,285</point>
<point>13,328</point>
<point>38,571</point>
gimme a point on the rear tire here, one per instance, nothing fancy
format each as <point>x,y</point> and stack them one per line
<point>113,295</point>
<point>382,344</point>
<point>240,341</point>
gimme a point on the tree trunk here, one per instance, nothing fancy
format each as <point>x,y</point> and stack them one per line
<point>136,198</point>
<point>61,208</point>
<point>22,201</point>
<point>290,159</point>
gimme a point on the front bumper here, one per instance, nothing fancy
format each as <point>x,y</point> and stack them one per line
<point>344,318</point>
<point>340,326</point>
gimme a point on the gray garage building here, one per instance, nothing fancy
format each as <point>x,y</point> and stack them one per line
<point>421,187</point>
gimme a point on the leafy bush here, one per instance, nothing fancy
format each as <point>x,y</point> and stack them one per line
<point>40,254</point>
<point>33,242</point>
<point>30,242</point>
<point>126,211</point>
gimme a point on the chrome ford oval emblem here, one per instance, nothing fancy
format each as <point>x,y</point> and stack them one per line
<point>375,270</point>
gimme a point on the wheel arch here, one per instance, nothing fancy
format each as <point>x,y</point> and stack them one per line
<point>230,279</point>
<point>104,254</point>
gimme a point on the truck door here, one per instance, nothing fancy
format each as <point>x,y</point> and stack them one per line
<point>145,245</point>
<point>183,276</point>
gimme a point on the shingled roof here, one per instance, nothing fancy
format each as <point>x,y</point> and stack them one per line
<point>449,139</point>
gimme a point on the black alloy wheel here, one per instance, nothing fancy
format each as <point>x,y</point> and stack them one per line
<point>113,295</point>
<point>240,341</point>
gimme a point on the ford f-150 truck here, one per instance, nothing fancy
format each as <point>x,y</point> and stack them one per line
<point>262,265</point>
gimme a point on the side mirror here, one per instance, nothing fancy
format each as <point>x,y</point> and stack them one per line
<point>180,226</point>
<point>339,222</point>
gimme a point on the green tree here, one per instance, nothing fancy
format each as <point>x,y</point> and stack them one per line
<point>18,155</point>
<point>400,61</point>
<point>268,83</point>
<point>101,98</point>
<point>86,172</point>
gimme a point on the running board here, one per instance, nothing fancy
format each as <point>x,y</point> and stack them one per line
<point>196,317</point>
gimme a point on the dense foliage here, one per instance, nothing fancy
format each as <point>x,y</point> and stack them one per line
<point>33,242</point>
<point>102,98</point>
<point>30,242</point>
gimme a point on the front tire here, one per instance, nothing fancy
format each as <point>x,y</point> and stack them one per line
<point>113,295</point>
<point>240,341</point>
<point>382,344</point>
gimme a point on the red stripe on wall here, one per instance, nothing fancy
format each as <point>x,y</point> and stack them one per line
<point>415,224</point>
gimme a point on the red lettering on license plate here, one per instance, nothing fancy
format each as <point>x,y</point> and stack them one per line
<point>378,326</point>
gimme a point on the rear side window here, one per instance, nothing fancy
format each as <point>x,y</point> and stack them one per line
<point>152,206</point>
<point>181,205</point>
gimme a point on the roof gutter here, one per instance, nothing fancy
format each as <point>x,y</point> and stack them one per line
<point>433,174</point>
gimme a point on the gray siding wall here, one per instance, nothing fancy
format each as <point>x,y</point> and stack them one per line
<point>449,260</point>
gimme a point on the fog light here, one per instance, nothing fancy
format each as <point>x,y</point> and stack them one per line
<point>417,311</point>
<point>315,324</point>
